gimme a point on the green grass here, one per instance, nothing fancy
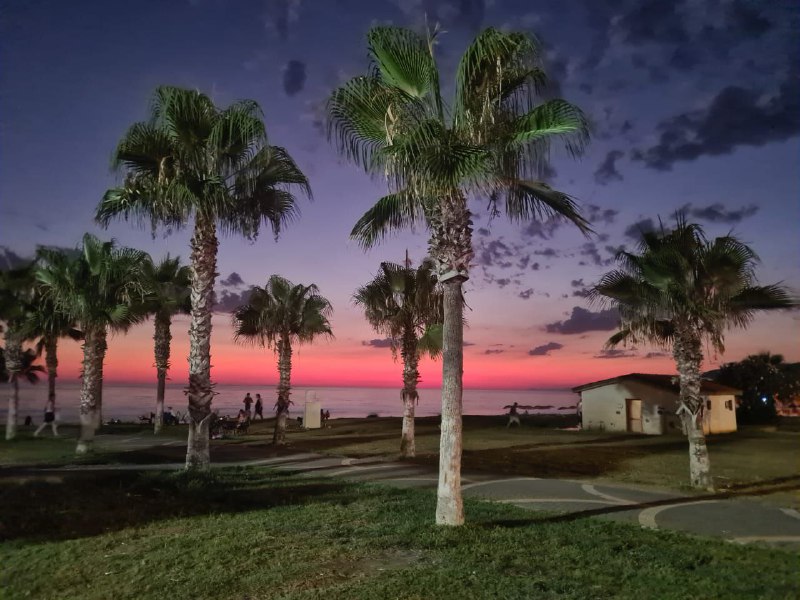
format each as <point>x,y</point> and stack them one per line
<point>248,533</point>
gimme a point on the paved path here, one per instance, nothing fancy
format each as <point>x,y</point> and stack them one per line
<point>738,520</point>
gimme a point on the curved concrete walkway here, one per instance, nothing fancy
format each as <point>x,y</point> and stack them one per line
<point>739,520</point>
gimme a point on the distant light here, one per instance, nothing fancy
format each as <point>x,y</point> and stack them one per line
<point>764,399</point>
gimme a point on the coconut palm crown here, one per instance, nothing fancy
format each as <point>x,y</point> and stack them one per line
<point>191,159</point>
<point>492,143</point>
<point>405,305</point>
<point>680,291</point>
<point>277,316</point>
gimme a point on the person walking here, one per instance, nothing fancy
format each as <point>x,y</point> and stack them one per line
<point>248,402</point>
<point>259,410</point>
<point>513,415</point>
<point>49,418</point>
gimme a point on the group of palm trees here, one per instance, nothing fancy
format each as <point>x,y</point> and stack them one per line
<point>194,163</point>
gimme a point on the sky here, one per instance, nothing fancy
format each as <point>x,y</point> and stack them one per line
<point>694,106</point>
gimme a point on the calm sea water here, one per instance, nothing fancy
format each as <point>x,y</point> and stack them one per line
<point>127,402</point>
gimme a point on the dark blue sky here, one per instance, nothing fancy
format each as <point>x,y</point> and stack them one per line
<point>694,105</point>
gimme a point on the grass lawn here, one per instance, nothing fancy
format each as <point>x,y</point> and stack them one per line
<point>248,533</point>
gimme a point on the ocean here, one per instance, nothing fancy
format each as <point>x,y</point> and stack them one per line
<point>127,402</point>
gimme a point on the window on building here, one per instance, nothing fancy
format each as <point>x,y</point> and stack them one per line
<point>729,404</point>
<point>708,404</point>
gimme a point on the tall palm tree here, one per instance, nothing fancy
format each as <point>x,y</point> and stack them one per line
<point>279,315</point>
<point>16,303</point>
<point>679,291</point>
<point>102,290</point>
<point>192,159</point>
<point>405,304</point>
<point>492,142</point>
<point>167,286</point>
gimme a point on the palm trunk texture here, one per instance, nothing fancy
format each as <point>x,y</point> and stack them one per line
<point>162,338</point>
<point>451,249</point>
<point>688,358</point>
<point>94,351</point>
<point>284,390</point>
<point>14,366</point>
<point>410,395</point>
<point>51,360</point>
<point>200,391</point>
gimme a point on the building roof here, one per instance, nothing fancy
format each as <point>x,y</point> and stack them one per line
<point>666,382</point>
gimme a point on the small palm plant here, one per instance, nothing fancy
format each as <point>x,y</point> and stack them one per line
<point>166,286</point>
<point>193,161</point>
<point>101,289</point>
<point>277,316</point>
<point>405,304</point>
<point>679,291</point>
<point>492,142</point>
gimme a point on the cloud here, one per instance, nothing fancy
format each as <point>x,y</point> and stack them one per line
<point>468,14</point>
<point>494,351</point>
<point>544,350</point>
<point>378,343</point>
<point>596,214</point>
<point>589,249</point>
<point>735,117</point>
<point>582,320</point>
<point>294,77</point>
<point>280,15</point>
<point>656,355</point>
<point>232,280</point>
<point>607,171</point>
<point>547,253</point>
<point>542,229</point>
<point>635,230</point>
<point>495,253</point>
<point>717,213</point>
<point>525,294</point>
<point>502,282</point>
<point>652,21</point>
<point>614,353</point>
<point>582,290</point>
<point>227,302</point>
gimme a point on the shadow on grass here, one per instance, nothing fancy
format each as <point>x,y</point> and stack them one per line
<point>66,505</point>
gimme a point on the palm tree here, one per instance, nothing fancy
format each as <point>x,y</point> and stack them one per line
<point>192,159</point>
<point>167,294</point>
<point>46,324</point>
<point>16,303</point>
<point>405,304</point>
<point>491,142</point>
<point>279,315</point>
<point>682,290</point>
<point>101,290</point>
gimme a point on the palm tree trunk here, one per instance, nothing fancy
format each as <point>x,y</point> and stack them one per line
<point>284,389</point>
<point>687,351</point>
<point>94,350</point>
<point>51,360</point>
<point>451,249</point>
<point>162,338</point>
<point>410,396</point>
<point>14,366</point>
<point>200,391</point>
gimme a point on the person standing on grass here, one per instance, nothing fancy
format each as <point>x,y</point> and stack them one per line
<point>248,402</point>
<point>259,410</point>
<point>49,418</point>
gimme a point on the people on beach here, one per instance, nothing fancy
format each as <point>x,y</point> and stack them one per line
<point>513,412</point>
<point>49,419</point>
<point>324,415</point>
<point>169,417</point>
<point>248,402</point>
<point>259,409</point>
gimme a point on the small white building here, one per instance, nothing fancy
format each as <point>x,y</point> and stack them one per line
<point>647,403</point>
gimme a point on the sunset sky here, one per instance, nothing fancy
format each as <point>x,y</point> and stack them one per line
<point>694,105</point>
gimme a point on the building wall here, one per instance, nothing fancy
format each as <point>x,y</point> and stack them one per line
<point>605,408</point>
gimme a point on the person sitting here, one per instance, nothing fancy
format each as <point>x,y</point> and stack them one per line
<point>242,422</point>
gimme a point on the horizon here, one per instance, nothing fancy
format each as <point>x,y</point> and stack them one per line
<point>665,91</point>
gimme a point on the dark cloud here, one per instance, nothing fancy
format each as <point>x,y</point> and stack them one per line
<point>596,215</point>
<point>653,21</point>
<point>525,294</point>
<point>582,320</point>
<point>626,127</point>
<point>378,343</point>
<point>614,353</point>
<point>483,231</point>
<point>543,230</point>
<point>535,266</point>
<point>545,349</point>
<point>227,302</point>
<point>502,282</point>
<point>744,17</point>
<point>523,262</point>
<point>582,290</point>
<point>607,171</point>
<point>547,253</point>
<point>294,77</point>
<point>635,230</point>
<point>495,253</point>
<point>717,213</point>
<point>280,15</point>
<point>589,249</point>
<point>465,344</point>
<point>735,117</point>
<point>656,355</point>
<point>468,14</point>
<point>232,280</point>
<point>494,351</point>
